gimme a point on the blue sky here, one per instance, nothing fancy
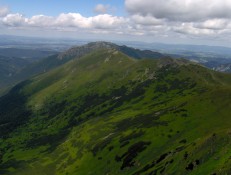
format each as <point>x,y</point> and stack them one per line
<point>168,21</point>
<point>55,7</point>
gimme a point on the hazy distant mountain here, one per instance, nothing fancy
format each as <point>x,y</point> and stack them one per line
<point>209,56</point>
<point>9,66</point>
<point>29,54</point>
<point>47,44</point>
<point>13,60</point>
<point>182,48</point>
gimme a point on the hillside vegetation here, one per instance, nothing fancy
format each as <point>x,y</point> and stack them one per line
<point>14,60</point>
<point>17,69</point>
<point>108,113</point>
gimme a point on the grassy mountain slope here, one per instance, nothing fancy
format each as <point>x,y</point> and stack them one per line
<point>13,60</point>
<point>106,113</point>
<point>9,66</point>
<point>54,61</point>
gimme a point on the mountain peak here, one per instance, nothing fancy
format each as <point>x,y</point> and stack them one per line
<point>80,51</point>
<point>102,44</point>
<point>85,49</point>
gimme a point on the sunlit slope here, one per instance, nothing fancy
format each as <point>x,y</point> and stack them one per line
<point>107,113</point>
<point>53,61</point>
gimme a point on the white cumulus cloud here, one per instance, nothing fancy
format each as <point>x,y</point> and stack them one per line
<point>66,22</point>
<point>108,21</point>
<point>72,20</point>
<point>149,18</point>
<point>14,20</point>
<point>40,21</point>
<point>181,10</point>
<point>213,24</point>
<point>190,29</point>
<point>189,18</point>
<point>146,20</point>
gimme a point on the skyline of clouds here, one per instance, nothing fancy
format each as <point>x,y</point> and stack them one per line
<point>186,19</point>
<point>181,10</point>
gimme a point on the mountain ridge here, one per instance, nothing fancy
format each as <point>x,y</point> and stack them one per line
<point>56,60</point>
<point>107,113</point>
<point>134,53</point>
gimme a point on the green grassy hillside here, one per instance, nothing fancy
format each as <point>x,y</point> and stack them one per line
<point>9,66</point>
<point>10,77</point>
<point>14,60</point>
<point>107,113</point>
